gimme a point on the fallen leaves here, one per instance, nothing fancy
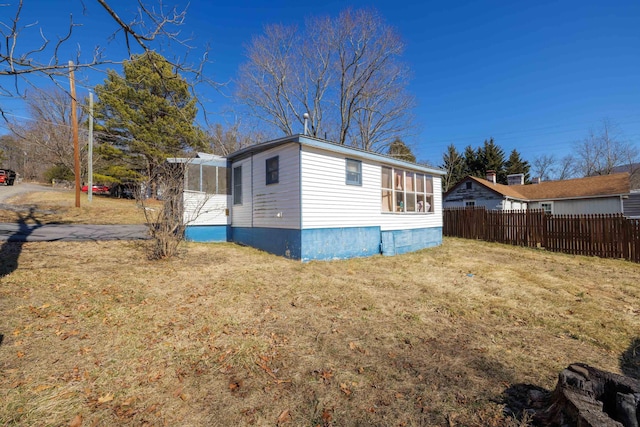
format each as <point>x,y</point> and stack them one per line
<point>77,421</point>
<point>355,347</point>
<point>327,415</point>
<point>263,364</point>
<point>42,388</point>
<point>235,385</point>
<point>106,398</point>
<point>326,376</point>
<point>285,416</point>
<point>345,389</point>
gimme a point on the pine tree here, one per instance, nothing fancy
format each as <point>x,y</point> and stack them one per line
<point>492,158</point>
<point>454,164</point>
<point>515,164</point>
<point>399,150</point>
<point>472,164</point>
<point>148,114</point>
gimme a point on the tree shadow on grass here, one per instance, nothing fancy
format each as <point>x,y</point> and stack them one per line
<point>630,360</point>
<point>12,248</point>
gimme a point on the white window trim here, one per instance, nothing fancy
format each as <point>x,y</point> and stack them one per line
<point>357,183</point>
<point>395,190</point>
<point>550,206</point>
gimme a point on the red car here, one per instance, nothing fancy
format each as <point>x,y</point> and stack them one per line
<point>96,189</point>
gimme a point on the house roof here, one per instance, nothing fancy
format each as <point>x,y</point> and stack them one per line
<point>309,141</point>
<point>592,186</point>
<point>504,190</point>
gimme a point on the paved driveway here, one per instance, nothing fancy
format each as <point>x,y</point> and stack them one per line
<point>70,232</point>
<point>15,232</point>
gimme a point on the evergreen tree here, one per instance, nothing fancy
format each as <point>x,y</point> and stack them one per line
<point>454,164</point>
<point>148,114</point>
<point>472,163</point>
<point>399,150</point>
<point>491,157</point>
<point>515,164</point>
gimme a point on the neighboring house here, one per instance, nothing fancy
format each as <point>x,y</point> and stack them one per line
<point>632,205</point>
<point>634,172</point>
<point>605,194</point>
<point>306,198</point>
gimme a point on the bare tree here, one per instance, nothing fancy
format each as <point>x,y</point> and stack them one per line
<point>264,84</point>
<point>151,27</point>
<point>47,136</point>
<point>344,71</point>
<point>567,168</point>
<point>224,140</point>
<point>544,167</point>
<point>603,149</point>
<point>548,167</point>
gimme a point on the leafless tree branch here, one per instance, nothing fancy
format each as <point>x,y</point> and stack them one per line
<point>153,26</point>
<point>343,71</point>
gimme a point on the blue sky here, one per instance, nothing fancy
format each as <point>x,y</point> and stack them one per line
<point>535,76</point>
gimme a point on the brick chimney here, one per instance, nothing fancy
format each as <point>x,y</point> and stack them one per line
<point>491,176</point>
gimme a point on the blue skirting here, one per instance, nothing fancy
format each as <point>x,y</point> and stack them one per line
<point>207,233</point>
<point>322,243</point>
<point>340,243</point>
<point>397,242</point>
<point>279,241</point>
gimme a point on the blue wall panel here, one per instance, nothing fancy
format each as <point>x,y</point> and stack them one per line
<point>207,233</point>
<point>396,242</point>
<point>278,241</point>
<point>340,243</point>
<point>335,243</point>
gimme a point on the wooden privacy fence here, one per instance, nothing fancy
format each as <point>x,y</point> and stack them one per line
<point>606,236</point>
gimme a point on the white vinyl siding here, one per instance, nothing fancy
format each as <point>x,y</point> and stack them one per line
<point>277,205</point>
<point>206,209</point>
<point>514,205</point>
<point>603,205</point>
<point>241,213</point>
<point>328,202</point>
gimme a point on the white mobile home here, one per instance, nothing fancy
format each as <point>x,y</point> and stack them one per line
<point>306,198</point>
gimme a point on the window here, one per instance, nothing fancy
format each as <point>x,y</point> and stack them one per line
<point>272,170</point>
<point>410,180</point>
<point>406,192</point>
<point>354,172</point>
<point>387,189</point>
<point>224,180</point>
<point>468,184</point>
<point>207,179</point>
<point>193,177</point>
<point>237,185</point>
<point>547,207</point>
<point>469,203</point>
<point>209,176</point>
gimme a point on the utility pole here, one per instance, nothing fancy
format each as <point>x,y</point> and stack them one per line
<point>74,124</point>
<point>90,165</point>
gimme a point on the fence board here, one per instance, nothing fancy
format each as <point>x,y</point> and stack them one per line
<point>605,236</point>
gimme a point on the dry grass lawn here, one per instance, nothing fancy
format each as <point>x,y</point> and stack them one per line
<point>58,206</point>
<point>95,334</point>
